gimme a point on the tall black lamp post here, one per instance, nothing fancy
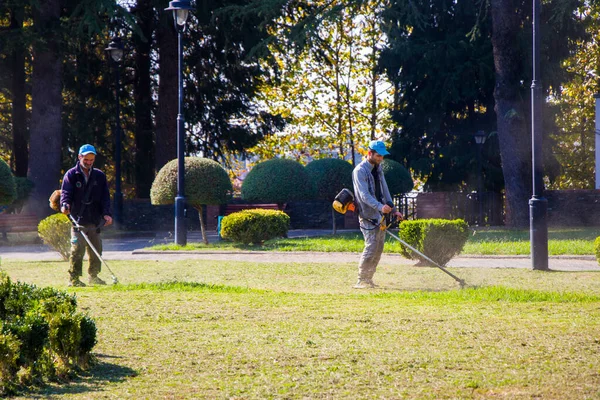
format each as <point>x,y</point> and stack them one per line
<point>480,138</point>
<point>538,205</point>
<point>181,10</point>
<point>115,51</point>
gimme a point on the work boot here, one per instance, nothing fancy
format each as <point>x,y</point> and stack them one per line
<point>363,284</point>
<point>373,284</point>
<point>94,280</point>
<point>76,283</point>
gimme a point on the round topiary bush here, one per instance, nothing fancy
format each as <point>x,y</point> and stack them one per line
<point>277,181</point>
<point>55,231</point>
<point>255,226</point>
<point>397,177</point>
<point>206,182</point>
<point>330,176</point>
<point>8,188</point>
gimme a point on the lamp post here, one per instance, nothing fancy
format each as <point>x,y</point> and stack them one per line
<point>115,51</point>
<point>538,205</point>
<point>181,10</point>
<point>480,138</point>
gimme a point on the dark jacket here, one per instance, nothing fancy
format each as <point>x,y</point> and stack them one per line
<point>74,189</point>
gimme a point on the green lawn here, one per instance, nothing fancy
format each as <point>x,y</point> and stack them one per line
<point>574,241</point>
<point>237,330</point>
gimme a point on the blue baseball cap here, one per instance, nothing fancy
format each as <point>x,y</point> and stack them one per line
<point>379,147</point>
<point>87,149</point>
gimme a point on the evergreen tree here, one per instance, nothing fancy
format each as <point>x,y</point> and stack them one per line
<point>443,72</point>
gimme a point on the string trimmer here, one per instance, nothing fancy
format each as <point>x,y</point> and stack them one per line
<point>80,229</point>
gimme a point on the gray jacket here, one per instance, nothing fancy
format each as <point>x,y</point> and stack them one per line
<point>364,191</point>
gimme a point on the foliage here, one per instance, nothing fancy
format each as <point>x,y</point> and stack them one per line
<point>8,189</point>
<point>255,226</point>
<point>330,176</point>
<point>206,182</point>
<point>438,239</point>
<point>41,333</point>
<point>326,82</point>
<point>277,181</point>
<point>445,82</point>
<point>574,140</point>
<point>397,177</point>
<point>55,231</point>
<point>222,82</point>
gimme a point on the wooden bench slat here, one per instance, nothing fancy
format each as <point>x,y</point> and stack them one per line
<point>18,223</point>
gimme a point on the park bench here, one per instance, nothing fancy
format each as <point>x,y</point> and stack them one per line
<point>17,223</point>
<point>231,208</point>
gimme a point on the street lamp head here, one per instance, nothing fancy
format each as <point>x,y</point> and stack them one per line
<point>480,137</point>
<point>181,10</point>
<point>115,49</point>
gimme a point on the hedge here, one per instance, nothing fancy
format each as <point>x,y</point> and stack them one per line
<point>438,239</point>
<point>255,226</point>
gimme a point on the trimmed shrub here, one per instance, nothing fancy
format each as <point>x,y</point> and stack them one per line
<point>206,182</point>
<point>597,248</point>
<point>277,181</point>
<point>397,177</point>
<point>55,231</point>
<point>438,239</point>
<point>41,334</point>
<point>8,187</point>
<point>255,226</point>
<point>330,176</point>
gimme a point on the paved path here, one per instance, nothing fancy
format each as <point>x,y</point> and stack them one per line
<point>131,248</point>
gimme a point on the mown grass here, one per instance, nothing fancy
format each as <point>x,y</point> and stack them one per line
<point>575,241</point>
<point>238,330</point>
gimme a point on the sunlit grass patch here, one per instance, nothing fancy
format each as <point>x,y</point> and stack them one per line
<point>204,329</point>
<point>486,241</point>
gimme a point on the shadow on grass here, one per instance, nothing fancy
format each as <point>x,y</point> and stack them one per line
<point>98,376</point>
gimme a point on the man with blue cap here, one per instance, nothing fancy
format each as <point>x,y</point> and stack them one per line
<point>373,199</point>
<point>85,195</point>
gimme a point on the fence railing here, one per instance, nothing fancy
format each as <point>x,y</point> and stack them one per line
<point>475,209</point>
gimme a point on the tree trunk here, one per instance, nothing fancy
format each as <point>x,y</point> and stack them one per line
<point>144,143</point>
<point>166,115</point>
<point>513,133</point>
<point>20,154</point>
<point>202,225</point>
<point>46,107</point>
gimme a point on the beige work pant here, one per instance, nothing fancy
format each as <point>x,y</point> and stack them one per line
<point>374,241</point>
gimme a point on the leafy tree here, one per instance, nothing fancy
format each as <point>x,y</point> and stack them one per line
<point>8,190</point>
<point>574,141</point>
<point>206,182</point>
<point>511,41</point>
<point>330,176</point>
<point>444,78</point>
<point>329,89</point>
<point>222,83</point>
<point>277,181</point>
<point>144,104</point>
<point>397,177</point>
